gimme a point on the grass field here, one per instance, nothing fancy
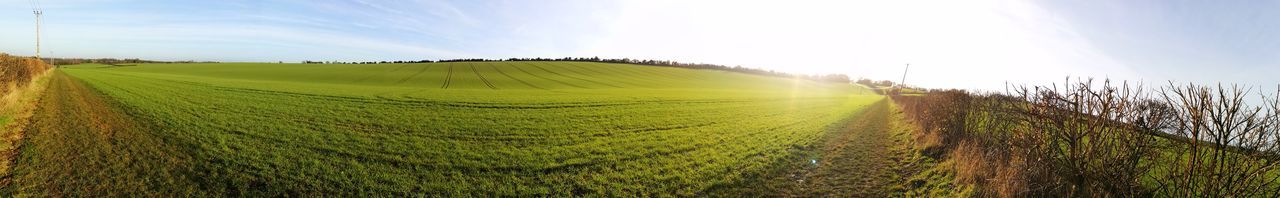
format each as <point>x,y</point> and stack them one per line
<point>487,128</point>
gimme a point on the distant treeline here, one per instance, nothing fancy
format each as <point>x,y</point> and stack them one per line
<point>870,83</point>
<point>110,61</point>
<point>841,78</point>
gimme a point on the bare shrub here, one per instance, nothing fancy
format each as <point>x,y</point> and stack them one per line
<point>17,72</point>
<point>1228,148</point>
<point>1084,133</point>
<point>941,116</point>
<point>1102,139</point>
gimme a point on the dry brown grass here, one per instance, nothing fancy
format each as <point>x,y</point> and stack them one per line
<point>22,81</point>
<point>971,163</point>
<point>1010,179</point>
<point>931,144</point>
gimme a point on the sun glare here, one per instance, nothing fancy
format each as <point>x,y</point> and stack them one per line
<point>954,44</point>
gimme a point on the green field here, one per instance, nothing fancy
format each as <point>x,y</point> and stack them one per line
<point>486,128</point>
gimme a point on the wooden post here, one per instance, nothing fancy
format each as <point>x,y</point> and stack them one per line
<point>38,13</point>
<point>903,82</point>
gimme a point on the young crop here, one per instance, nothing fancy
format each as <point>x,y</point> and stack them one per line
<point>486,128</point>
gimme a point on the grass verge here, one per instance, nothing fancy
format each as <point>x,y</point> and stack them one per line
<point>78,143</point>
<point>16,108</point>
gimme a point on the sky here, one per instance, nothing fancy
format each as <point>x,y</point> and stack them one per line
<point>981,44</point>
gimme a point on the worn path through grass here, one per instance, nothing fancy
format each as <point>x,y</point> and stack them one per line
<point>863,161</point>
<point>80,144</point>
<point>869,155</point>
<point>860,161</point>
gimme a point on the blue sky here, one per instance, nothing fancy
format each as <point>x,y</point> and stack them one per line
<point>955,44</point>
<point>239,30</point>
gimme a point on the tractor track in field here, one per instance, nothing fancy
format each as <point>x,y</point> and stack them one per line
<point>645,72</point>
<point>486,81</point>
<point>542,77</point>
<point>426,102</point>
<point>573,77</point>
<point>628,81</point>
<point>495,68</point>
<point>448,78</point>
<point>415,74</point>
<point>379,74</point>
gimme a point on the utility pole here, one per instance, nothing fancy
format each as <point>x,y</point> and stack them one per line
<point>38,13</point>
<point>903,82</point>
